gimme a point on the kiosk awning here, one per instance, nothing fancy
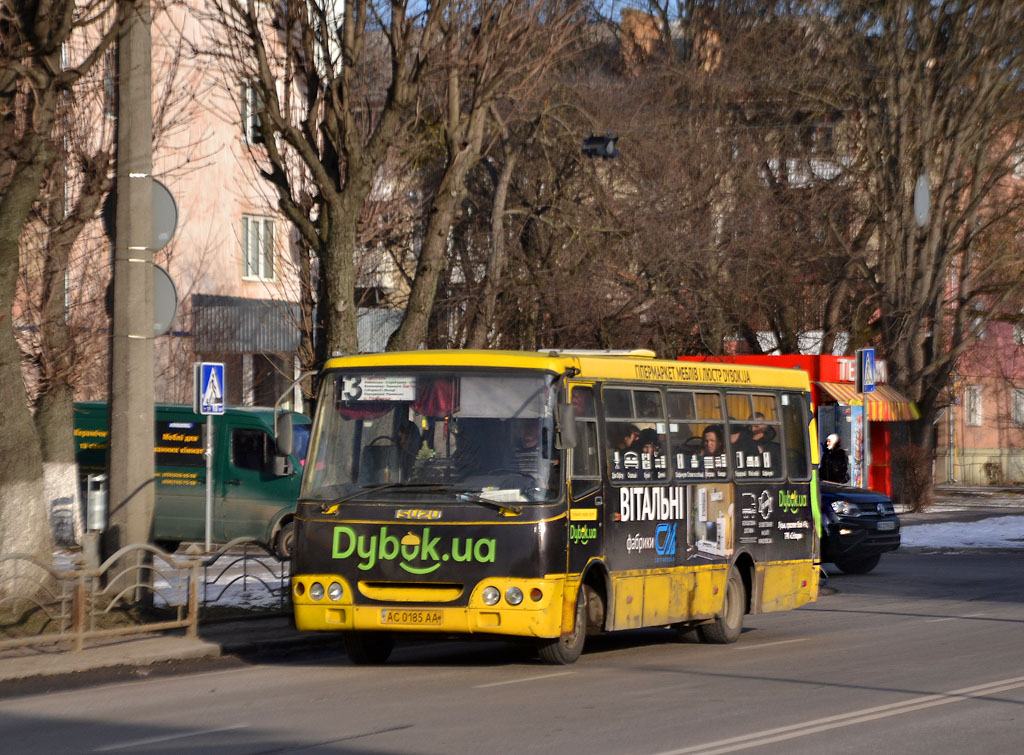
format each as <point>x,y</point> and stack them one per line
<point>884,404</point>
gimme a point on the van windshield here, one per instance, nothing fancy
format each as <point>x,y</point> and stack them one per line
<point>401,430</point>
<point>300,441</point>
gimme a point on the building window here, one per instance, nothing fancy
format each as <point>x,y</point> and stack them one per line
<point>972,405</point>
<point>252,103</point>
<point>1018,407</point>
<point>257,248</point>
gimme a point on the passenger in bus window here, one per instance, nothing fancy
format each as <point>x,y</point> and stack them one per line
<point>625,455</point>
<point>627,439</point>
<point>712,449</point>
<point>652,461</point>
<point>747,457</point>
<point>763,437</point>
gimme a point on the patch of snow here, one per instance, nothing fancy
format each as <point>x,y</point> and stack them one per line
<point>995,532</point>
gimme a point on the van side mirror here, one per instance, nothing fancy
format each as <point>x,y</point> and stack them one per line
<point>282,466</point>
<point>283,435</point>
<point>565,435</point>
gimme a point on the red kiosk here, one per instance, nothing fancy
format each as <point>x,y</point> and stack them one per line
<point>840,409</point>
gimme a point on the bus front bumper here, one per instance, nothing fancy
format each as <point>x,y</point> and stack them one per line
<point>539,614</point>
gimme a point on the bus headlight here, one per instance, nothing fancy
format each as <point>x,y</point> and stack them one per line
<point>491,596</point>
<point>514,596</point>
<point>316,591</point>
<point>334,591</point>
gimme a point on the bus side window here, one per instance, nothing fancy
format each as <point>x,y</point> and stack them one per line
<point>698,443</point>
<point>794,430</point>
<point>586,472</point>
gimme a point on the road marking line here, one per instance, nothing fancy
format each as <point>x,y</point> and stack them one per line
<point>769,644</point>
<point>527,679</point>
<point>953,618</point>
<point>768,736</point>
<point>168,738</point>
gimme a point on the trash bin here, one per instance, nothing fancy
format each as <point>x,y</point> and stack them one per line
<point>96,502</point>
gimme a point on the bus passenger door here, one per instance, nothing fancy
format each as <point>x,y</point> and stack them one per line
<point>586,506</point>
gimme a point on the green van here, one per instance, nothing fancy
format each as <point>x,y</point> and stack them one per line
<point>255,489</point>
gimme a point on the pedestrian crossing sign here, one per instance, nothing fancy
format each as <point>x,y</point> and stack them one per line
<point>209,388</point>
<point>864,380</point>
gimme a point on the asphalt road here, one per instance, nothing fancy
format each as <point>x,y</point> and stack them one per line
<point>923,655</point>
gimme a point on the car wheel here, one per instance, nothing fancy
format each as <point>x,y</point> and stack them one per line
<point>861,565</point>
<point>726,627</point>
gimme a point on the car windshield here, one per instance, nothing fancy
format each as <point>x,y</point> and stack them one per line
<point>432,434</point>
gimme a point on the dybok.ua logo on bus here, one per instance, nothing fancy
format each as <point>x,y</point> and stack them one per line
<point>418,554</point>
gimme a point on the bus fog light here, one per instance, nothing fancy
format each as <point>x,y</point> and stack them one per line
<point>514,596</point>
<point>334,591</point>
<point>536,595</point>
<point>300,588</point>
<point>491,596</point>
<point>316,591</point>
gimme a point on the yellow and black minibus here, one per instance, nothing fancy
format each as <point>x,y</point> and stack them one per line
<point>553,495</point>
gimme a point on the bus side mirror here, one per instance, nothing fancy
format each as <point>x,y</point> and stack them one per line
<point>283,435</point>
<point>565,437</point>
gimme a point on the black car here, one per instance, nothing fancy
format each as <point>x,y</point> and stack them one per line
<point>859,525</point>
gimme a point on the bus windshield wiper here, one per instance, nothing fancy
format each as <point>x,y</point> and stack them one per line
<point>503,508</point>
<point>331,507</point>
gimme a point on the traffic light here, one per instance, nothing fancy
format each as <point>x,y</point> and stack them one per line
<point>600,146</point>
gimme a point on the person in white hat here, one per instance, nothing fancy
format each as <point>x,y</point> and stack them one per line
<point>835,467</point>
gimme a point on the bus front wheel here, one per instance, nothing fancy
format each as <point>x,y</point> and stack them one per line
<point>367,648</point>
<point>726,627</point>
<point>566,649</point>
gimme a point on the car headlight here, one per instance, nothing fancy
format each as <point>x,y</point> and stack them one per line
<point>845,508</point>
<point>316,591</point>
<point>335,591</point>
<point>491,596</point>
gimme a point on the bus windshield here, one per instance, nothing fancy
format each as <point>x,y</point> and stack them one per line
<point>425,432</point>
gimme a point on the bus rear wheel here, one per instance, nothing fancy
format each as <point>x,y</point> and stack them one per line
<point>367,648</point>
<point>564,650</point>
<point>726,627</point>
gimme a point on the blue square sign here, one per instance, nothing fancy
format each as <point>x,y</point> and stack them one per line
<point>865,378</point>
<point>209,388</point>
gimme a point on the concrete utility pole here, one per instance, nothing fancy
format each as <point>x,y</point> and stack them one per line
<point>132,429</point>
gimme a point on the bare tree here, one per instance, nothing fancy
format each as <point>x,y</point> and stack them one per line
<point>33,81</point>
<point>932,90</point>
<point>334,86</point>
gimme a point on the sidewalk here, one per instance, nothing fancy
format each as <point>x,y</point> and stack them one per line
<point>240,637</point>
<point>276,634</point>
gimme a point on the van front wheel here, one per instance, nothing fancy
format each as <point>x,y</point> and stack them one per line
<point>284,545</point>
